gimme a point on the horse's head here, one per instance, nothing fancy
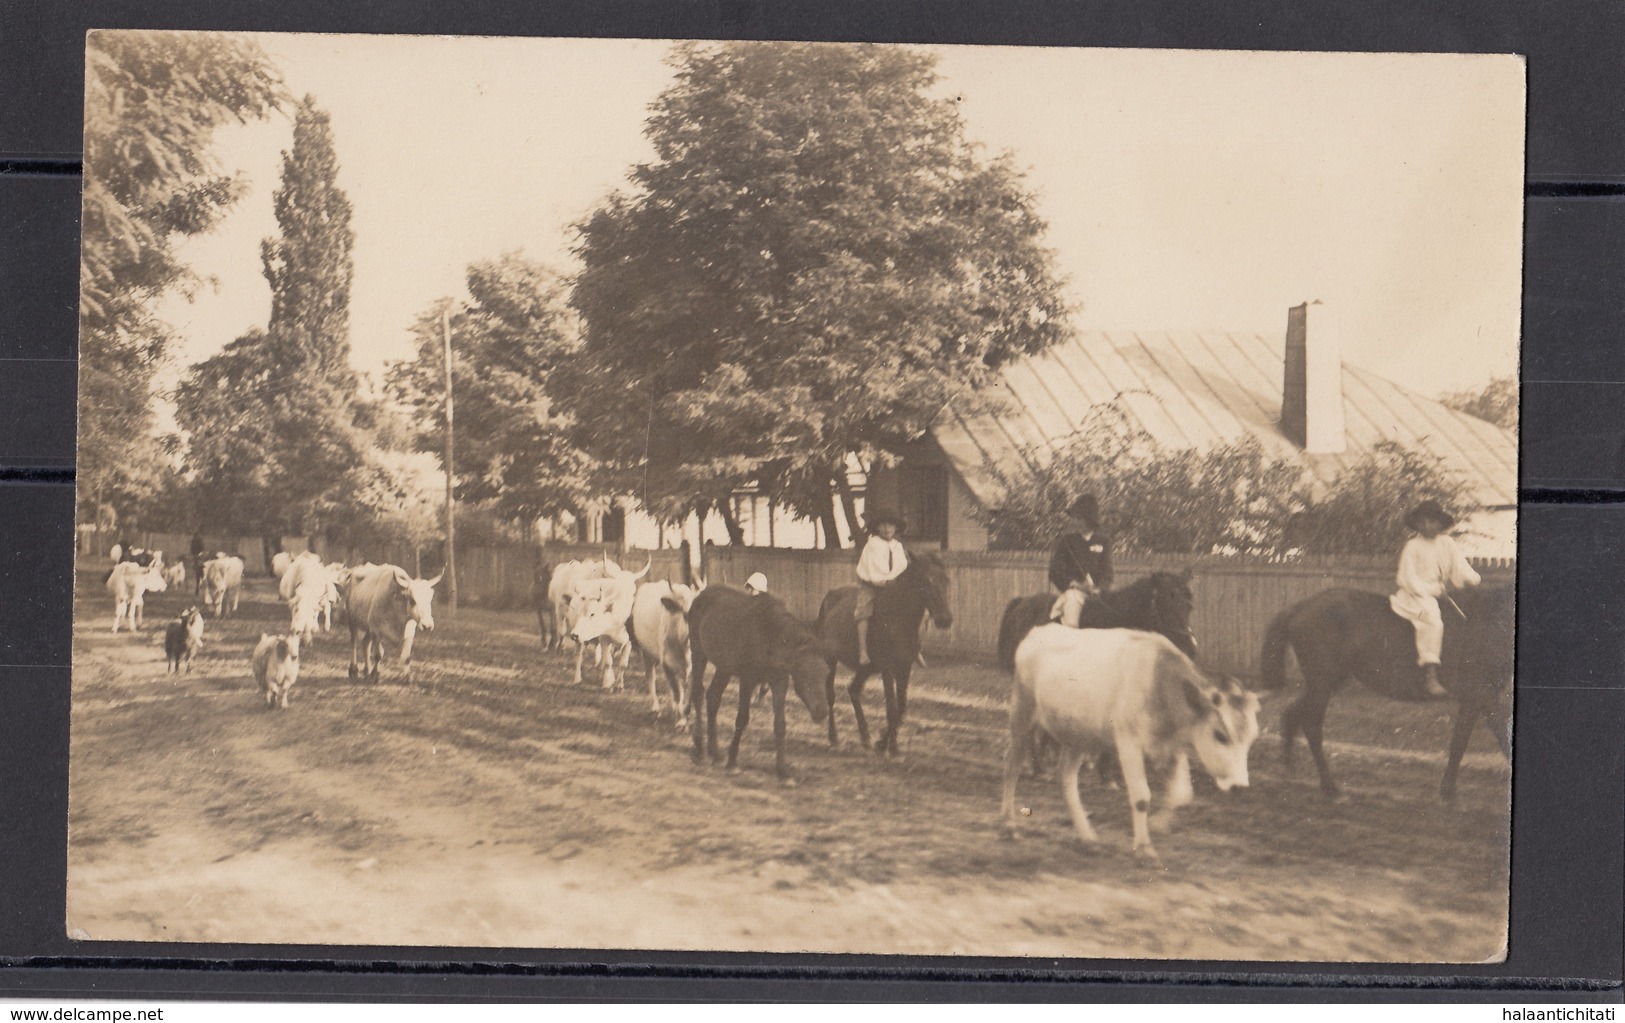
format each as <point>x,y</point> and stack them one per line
<point>1170,606</point>
<point>929,577</point>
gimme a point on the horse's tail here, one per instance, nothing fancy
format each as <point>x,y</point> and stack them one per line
<point>1011,632</point>
<point>1272,658</point>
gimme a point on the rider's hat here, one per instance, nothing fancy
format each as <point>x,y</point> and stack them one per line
<point>880,515</point>
<point>757,582</point>
<point>1429,510</point>
<point>1085,507</point>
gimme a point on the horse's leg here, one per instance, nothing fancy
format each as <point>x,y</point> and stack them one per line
<point>697,697</point>
<point>1021,730</point>
<point>713,703</point>
<point>1071,763</point>
<point>1131,758</point>
<point>781,687</point>
<point>903,677</point>
<point>747,689</point>
<point>1461,732</point>
<point>854,692</point>
<point>1311,712</point>
<point>888,735</point>
<point>829,699</point>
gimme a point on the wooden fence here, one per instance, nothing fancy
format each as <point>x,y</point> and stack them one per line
<point>1235,598</point>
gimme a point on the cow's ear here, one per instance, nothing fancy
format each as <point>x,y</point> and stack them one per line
<point>1197,696</point>
<point>671,604</point>
<point>403,579</point>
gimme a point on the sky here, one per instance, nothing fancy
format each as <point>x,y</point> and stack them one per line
<point>1183,189</point>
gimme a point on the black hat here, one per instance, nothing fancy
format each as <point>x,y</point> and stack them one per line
<point>1429,510</point>
<point>880,515</point>
<point>1085,507</point>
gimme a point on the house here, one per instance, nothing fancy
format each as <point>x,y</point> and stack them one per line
<point>1192,389</point>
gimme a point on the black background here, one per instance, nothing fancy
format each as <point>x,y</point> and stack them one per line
<point>1568,888</point>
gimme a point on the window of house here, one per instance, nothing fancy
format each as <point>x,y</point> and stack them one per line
<point>923,491</point>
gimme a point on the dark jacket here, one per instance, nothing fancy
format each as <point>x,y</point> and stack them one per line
<point>1076,557</point>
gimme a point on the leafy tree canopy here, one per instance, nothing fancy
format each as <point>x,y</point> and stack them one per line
<point>1495,402</point>
<point>814,264</point>
<point>512,446</point>
<point>153,102</point>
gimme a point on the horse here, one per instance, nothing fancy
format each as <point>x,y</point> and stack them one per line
<point>1344,633</point>
<point>894,640</point>
<point>1161,602</point>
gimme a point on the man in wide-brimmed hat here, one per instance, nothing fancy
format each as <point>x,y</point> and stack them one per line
<point>882,561</point>
<point>1081,566</point>
<point>1430,562</point>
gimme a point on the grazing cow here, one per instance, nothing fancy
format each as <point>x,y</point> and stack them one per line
<point>1097,689</point>
<point>561,589</point>
<point>604,610</point>
<point>660,629</point>
<point>384,601</point>
<point>129,583</point>
<point>757,640</point>
<point>222,584</point>
<point>183,639</point>
<point>276,668</point>
<point>175,575</point>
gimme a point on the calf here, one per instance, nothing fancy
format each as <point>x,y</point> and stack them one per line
<point>175,575</point>
<point>603,608</point>
<point>129,583</point>
<point>276,668</point>
<point>562,594</point>
<point>1097,689</point>
<point>183,638</point>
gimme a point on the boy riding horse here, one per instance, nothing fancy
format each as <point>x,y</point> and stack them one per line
<point>1081,566</point>
<point>1430,562</point>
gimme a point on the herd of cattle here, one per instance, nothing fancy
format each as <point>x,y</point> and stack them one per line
<point>1093,693</point>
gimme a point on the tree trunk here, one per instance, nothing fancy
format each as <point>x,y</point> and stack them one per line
<point>268,547</point>
<point>832,532</point>
<point>849,505</point>
<point>736,536</point>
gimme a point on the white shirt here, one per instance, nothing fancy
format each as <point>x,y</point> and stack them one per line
<point>1427,565</point>
<point>882,560</point>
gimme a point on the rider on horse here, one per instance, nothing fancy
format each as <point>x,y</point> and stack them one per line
<point>882,561</point>
<point>1081,566</point>
<point>1430,562</point>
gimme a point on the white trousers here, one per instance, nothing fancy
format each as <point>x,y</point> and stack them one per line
<point>1068,607</point>
<point>1423,613</point>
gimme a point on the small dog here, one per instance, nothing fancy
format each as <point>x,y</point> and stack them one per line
<point>276,667</point>
<point>183,639</point>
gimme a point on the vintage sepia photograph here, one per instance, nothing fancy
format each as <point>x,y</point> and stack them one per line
<point>796,497</point>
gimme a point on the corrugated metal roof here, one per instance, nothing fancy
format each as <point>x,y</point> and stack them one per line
<point>1193,389</point>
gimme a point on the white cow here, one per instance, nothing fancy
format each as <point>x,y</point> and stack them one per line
<point>129,585</point>
<point>660,629</point>
<point>222,584</point>
<point>1095,690</point>
<point>311,590</point>
<point>601,609</point>
<point>561,588</point>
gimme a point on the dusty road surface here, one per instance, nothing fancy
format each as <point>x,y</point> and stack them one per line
<point>486,802</point>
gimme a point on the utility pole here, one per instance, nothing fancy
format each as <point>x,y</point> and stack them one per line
<point>451,505</point>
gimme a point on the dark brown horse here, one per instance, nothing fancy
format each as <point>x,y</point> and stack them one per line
<point>1342,634</point>
<point>755,638</point>
<point>894,640</point>
<point>1161,602</point>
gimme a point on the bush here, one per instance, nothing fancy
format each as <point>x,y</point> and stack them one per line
<point>1228,499</point>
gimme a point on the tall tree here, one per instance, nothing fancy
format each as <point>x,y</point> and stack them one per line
<point>513,451</point>
<point>814,264</point>
<point>277,429</point>
<point>153,102</point>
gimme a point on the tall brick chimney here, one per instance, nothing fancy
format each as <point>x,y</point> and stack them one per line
<point>1312,391</point>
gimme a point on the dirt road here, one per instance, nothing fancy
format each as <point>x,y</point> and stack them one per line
<point>489,803</point>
